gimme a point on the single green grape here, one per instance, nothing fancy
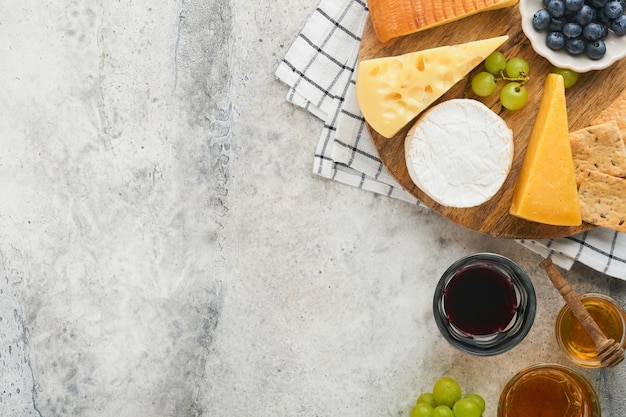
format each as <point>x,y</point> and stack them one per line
<point>517,68</point>
<point>446,391</point>
<point>478,400</point>
<point>569,77</point>
<point>495,62</point>
<point>484,84</point>
<point>466,407</point>
<point>513,96</point>
<point>442,411</point>
<point>426,397</point>
<point>422,410</point>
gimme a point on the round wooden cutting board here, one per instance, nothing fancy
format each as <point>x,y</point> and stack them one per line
<point>593,92</point>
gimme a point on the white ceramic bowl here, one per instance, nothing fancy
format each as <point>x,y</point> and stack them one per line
<point>615,45</point>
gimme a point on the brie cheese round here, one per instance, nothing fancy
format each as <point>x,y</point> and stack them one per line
<point>459,153</point>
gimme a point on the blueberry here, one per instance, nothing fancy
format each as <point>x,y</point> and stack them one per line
<point>556,8</point>
<point>555,40</point>
<point>593,31</point>
<point>541,19</point>
<point>585,15</point>
<point>545,3</point>
<point>613,9</point>
<point>618,26</point>
<point>572,30</point>
<point>601,17</point>
<point>556,25</point>
<point>605,31</point>
<point>574,5</point>
<point>595,49</point>
<point>575,46</point>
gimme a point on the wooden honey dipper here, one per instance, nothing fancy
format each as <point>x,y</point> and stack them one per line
<point>608,350</point>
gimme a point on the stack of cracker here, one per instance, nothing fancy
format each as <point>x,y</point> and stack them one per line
<point>599,157</point>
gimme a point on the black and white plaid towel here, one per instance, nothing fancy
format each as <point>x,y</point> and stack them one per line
<point>319,68</point>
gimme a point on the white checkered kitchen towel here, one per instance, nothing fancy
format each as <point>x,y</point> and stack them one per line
<point>319,68</point>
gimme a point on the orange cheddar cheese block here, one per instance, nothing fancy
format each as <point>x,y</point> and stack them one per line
<point>545,191</point>
<point>392,91</point>
<point>395,18</point>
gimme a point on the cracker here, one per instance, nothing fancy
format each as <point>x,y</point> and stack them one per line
<point>599,148</point>
<point>602,200</point>
<point>616,111</point>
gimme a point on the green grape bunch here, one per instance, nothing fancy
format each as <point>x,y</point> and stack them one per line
<point>446,400</point>
<point>515,72</point>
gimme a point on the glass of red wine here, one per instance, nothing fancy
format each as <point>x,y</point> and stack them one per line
<point>484,304</point>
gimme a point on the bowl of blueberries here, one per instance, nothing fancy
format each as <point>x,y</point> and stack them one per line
<point>580,35</point>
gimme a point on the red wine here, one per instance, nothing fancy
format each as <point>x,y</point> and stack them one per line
<point>480,300</point>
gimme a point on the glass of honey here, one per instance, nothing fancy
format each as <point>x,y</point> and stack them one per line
<point>574,340</point>
<point>549,390</point>
<point>484,304</point>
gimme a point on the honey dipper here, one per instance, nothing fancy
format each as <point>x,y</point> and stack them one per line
<point>608,350</point>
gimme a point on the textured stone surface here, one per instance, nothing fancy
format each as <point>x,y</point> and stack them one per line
<point>166,250</point>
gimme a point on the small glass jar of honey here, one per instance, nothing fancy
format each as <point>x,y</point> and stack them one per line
<point>574,340</point>
<point>549,390</point>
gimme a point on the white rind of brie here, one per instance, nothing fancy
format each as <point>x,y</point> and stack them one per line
<point>459,153</point>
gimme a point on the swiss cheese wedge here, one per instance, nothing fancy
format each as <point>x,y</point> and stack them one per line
<point>395,18</point>
<point>391,91</point>
<point>545,190</point>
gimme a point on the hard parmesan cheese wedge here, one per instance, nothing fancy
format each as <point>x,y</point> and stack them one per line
<point>392,91</point>
<point>459,153</point>
<point>545,191</point>
<point>395,18</point>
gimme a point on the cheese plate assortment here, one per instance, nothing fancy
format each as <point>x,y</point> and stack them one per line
<point>511,164</point>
